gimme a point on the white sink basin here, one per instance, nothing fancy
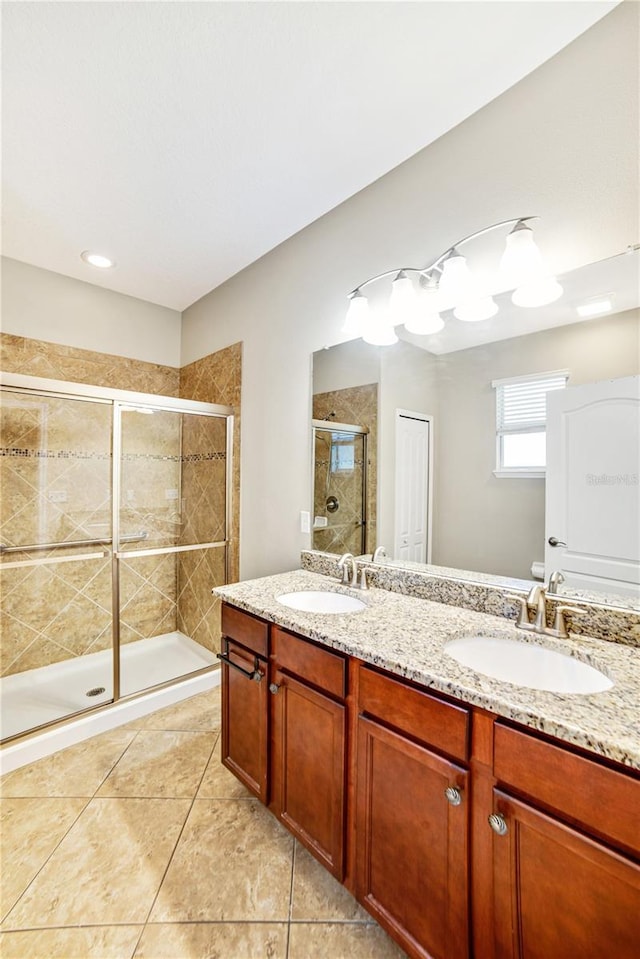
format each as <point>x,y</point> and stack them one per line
<point>320,601</point>
<point>526,664</point>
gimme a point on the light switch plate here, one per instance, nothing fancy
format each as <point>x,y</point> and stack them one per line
<point>305,521</point>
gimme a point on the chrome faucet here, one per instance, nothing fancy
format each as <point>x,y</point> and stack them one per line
<point>380,553</point>
<point>346,560</point>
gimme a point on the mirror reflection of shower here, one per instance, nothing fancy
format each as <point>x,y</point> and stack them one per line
<point>340,486</point>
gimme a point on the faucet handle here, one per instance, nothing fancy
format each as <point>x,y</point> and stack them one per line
<point>559,623</point>
<point>363,584</point>
<point>523,613</point>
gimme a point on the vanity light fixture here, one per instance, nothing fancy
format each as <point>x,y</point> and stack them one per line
<point>449,284</point>
<point>596,305</point>
<point>97,259</point>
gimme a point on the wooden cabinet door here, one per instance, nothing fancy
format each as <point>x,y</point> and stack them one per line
<point>244,719</point>
<point>308,768</point>
<point>558,893</point>
<point>411,859</point>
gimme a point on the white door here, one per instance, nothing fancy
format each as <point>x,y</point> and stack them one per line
<point>592,491</point>
<point>413,458</point>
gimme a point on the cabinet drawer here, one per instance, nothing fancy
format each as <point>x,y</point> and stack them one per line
<point>320,667</point>
<point>246,629</point>
<point>604,801</point>
<point>420,715</point>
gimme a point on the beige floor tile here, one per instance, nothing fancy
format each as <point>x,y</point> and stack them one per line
<point>108,867</point>
<point>91,942</point>
<point>201,712</point>
<point>219,783</point>
<point>341,940</point>
<point>223,940</point>
<point>233,862</point>
<point>161,763</point>
<point>76,771</point>
<point>317,895</point>
<point>31,830</point>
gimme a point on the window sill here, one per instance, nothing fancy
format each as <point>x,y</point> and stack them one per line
<point>519,474</point>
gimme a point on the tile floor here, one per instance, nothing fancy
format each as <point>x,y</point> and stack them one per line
<point>138,843</point>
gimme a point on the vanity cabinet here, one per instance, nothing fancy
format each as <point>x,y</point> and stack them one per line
<point>464,834</point>
<point>563,882</point>
<point>308,745</point>
<point>412,816</point>
<point>245,699</point>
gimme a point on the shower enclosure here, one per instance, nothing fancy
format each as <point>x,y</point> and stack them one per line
<point>115,527</point>
<point>339,487</point>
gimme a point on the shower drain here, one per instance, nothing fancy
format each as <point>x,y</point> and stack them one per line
<point>96,691</point>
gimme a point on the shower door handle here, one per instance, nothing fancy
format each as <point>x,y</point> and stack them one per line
<point>255,675</point>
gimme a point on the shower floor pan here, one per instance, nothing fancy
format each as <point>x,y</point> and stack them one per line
<point>38,696</point>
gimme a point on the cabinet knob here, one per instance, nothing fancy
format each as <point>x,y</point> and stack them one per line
<point>498,823</point>
<point>454,796</point>
<point>273,688</point>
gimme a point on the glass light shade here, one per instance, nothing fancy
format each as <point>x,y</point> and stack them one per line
<point>357,315</point>
<point>476,310</point>
<point>379,329</point>
<point>403,299</point>
<point>539,292</point>
<point>424,324</point>
<point>521,259</point>
<point>456,277</point>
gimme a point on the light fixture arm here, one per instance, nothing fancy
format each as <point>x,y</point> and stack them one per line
<point>435,265</point>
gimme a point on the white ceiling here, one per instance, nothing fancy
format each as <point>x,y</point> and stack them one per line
<point>188,139</point>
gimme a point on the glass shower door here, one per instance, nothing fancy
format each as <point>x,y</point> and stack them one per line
<point>55,561</point>
<point>339,499</point>
<point>171,534</point>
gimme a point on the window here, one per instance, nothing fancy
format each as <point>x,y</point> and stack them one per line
<point>521,419</point>
<point>343,452</point>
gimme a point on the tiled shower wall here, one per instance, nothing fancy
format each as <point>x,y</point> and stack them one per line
<point>216,378</point>
<point>57,612</point>
<point>357,405</point>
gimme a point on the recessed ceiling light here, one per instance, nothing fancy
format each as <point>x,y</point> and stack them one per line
<point>97,259</point>
<point>595,305</point>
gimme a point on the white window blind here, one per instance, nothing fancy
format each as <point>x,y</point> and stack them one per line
<point>521,402</point>
<point>521,418</point>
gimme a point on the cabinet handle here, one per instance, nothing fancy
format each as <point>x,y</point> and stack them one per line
<point>274,688</point>
<point>454,796</point>
<point>254,674</point>
<point>498,823</point>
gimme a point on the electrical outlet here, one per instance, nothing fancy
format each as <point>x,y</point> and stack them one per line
<point>305,521</point>
<point>57,496</point>
<point>171,494</point>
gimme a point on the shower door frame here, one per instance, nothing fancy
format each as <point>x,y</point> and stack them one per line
<point>119,400</point>
<point>331,427</point>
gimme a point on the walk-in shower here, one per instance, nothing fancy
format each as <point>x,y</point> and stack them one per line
<point>115,526</point>
<point>339,487</point>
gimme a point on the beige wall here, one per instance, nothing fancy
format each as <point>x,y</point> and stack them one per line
<point>47,306</point>
<point>561,144</point>
<point>497,525</point>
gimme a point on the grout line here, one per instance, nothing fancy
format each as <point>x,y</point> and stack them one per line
<point>179,837</point>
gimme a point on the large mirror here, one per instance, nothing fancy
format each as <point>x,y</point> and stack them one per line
<point>428,408</point>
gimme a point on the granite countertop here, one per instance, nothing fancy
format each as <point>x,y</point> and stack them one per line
<point>406,635</point>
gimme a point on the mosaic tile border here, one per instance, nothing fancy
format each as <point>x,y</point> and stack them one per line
<point>19,453</point>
